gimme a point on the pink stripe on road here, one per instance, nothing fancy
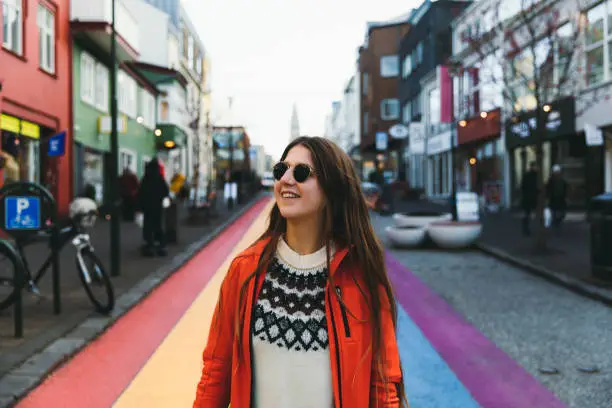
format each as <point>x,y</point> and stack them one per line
<point>489,374</point>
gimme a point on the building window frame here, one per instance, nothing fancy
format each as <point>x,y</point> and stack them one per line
<point>12,26</point>
<point>127,90</point>
<point>390,109</point>
<point>101,95</point>
<point>592,44</point>
<point>147,108</point>
<point>88,78</point>
<point>45,20</point>
<point>389,66</point>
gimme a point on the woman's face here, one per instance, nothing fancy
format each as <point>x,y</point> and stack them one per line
<point>298,200</point>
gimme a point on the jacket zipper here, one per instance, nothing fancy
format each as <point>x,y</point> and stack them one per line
<point>333,322</point>
<point>347,329</point>
<point>253,302</point>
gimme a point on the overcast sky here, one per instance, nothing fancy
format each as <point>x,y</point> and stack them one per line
<point>269,54</point>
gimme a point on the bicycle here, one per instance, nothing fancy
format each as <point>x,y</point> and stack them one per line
<point>76,233</point>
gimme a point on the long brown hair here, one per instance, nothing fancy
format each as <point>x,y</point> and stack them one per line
<point>346,223</point>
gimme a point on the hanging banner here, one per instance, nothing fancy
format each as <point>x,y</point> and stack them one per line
<point>57,145</point>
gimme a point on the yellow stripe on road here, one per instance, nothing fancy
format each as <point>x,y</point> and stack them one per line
<point>170,376</point>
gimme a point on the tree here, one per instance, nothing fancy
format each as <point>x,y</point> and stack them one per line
<point>196,116</point>
<point>527,52</point>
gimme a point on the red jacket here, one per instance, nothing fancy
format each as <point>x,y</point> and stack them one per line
<point>355,381</point>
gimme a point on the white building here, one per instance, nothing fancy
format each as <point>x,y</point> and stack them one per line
<point>258,159</point>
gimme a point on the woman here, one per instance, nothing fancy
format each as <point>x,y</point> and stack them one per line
<point>306,316</point>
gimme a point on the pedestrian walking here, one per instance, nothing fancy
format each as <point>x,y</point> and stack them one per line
<point>153,190</point>
<point>556,191</point>
<point>306,316</point>
<point>529,196</point>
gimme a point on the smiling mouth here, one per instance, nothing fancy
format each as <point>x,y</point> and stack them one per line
<point>289,195</point>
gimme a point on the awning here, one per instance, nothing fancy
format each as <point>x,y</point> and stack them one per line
<point>169,136</point>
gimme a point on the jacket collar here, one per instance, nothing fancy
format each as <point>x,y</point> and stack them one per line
<point>257,249</point>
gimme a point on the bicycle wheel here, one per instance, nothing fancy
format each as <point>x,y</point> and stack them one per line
<point>10,265</point>
<point>96,282</point>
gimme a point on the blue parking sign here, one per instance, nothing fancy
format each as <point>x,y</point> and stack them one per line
<point>22,213</point>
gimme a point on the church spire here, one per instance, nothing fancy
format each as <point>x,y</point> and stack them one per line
<point>295,124</point>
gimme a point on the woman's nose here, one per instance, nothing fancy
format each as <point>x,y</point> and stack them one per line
<point>288,176</point>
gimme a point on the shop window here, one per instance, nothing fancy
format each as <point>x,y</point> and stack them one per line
<point>93,173</point>
<point>23,157</point>
<point>127,160</point>
<point>12,26</point>
<point>46,39</point>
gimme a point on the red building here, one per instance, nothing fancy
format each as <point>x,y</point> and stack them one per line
<point>35,95</point>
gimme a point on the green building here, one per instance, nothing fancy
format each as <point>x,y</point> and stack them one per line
<point>136,102</point>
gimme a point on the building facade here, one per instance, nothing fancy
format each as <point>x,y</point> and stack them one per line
<point>379,106</point>
<point>425,94</point>
<point>35,91</point>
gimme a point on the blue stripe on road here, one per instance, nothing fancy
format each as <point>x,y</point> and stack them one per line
<point>430,383</point>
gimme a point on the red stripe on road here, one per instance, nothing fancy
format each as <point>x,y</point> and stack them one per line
<point>97,375</point>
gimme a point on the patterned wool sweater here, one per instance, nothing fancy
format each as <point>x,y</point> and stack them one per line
<point>291,364</point>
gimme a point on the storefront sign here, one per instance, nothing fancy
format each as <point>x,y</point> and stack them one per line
<point>467,206</point>
<point>399,131</point>
<point>560,120</point>
<point>439,143</point>
<point>30,129</point>
<point>57,145</point>
<point>593,135</point>
<point>9,124</point>
<point>381,141</point>
<point>416,131</point>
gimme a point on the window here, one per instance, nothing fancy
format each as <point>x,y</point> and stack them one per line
<point>597,38</point>
<point>419,53</point>
<point>190,52</point>
<point>407,113</point>
<point>417,108</point>
<point>364,86</point>
<point>128,92</point>
<point>12,26</point>
<point>389,109</point>
<point>164,111</point>
<point>147,108</point>
<point>389,66</point>
<point>407,69</point>
<point>365,123</point>
<point>434,106</point>
<point>46,39</point>
<point>127,160</point>
<point>101,92</point>
<point>87,78</point>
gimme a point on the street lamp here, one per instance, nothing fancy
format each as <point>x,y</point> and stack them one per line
<point>115,226</point>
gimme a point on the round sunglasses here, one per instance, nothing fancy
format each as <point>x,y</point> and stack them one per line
<point>301,171</point>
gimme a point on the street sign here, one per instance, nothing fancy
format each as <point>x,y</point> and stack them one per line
<point>22,213</point>
<point>57,145</point>
<point>381,141</point>
<point>399,131</point>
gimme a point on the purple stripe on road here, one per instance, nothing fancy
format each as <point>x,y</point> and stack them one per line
<point>489,374</point>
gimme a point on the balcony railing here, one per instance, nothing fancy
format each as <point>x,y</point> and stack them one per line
<point>92,11</point>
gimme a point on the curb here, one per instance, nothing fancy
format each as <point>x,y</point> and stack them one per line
<point>575,285</point>
<point>18,382</point>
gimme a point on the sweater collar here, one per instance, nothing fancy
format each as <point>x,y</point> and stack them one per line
<point>308,261</point>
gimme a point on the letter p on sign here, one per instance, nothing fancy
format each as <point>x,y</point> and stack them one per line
<point>22,204</point>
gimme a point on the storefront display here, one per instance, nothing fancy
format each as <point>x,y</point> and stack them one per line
<point>480,157</point>
<point>20,141</point>
<point>560,146</point>
<point>439,172</point>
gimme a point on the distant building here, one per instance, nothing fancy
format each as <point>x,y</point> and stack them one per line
<point>258,159</point>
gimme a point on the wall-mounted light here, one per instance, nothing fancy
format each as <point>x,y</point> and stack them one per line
<point>546,108</point>
<point>483,115</point>
<point>472,161</point>
<point>158,132</point>
<point>462,123</point>
<point>140,119</point>
<point>169,144</point>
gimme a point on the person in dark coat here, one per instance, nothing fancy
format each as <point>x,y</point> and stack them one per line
<point>153,190</point>
<point>128,183</point>
<point>529,196</point>
<point>556,192</point>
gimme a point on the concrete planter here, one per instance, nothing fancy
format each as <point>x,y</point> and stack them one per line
<point>454,234</point>
<point>407,236</point>
<point>420,218</point>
